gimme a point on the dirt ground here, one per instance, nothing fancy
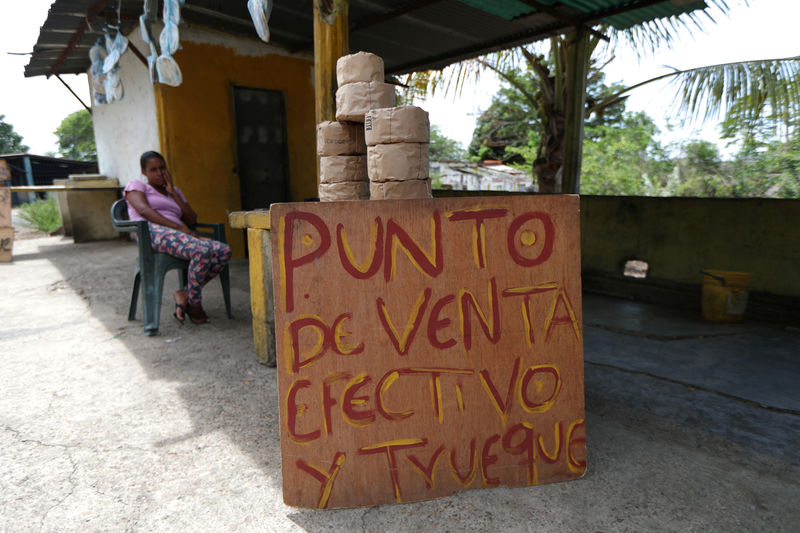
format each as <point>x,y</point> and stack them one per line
<point>104,429</point>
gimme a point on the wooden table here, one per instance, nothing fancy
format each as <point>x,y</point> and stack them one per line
<point>261,300</point>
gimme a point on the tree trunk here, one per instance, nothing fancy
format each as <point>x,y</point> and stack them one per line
<point>566,88</point>
<point>549,160</point>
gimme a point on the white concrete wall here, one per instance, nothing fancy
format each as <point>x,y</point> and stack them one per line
<point>125,129</point>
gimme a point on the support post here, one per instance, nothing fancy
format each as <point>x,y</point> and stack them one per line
<point>331,41</point>
<point>577,66</point>
<point>29,177</point>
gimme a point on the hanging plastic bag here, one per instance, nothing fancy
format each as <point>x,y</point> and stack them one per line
<point>147,36</point>
<point>146,30</point>
<point>172,12</point>
<point>169,73</point>
<point>97,55</point>
<point>118,47</point>
<point>260,10</point>
<point>114,90</point>
<point>169,39</point>
<point>151,63</point>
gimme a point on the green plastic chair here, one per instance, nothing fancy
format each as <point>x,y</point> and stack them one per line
<point>151,267</point>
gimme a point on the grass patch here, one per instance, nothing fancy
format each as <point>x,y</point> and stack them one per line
<point>41,214</point>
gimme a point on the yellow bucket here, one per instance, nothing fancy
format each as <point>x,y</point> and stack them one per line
<point>725,295</point>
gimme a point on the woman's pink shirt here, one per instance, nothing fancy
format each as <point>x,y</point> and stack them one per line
<point>164,205</point>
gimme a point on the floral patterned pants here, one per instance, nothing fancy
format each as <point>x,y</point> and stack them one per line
<point>206,256</point>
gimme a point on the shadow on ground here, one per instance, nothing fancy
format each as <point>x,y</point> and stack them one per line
<point>222,386</point>
<point>676,439</point>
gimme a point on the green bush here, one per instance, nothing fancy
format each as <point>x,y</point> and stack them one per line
<point>42,214</point>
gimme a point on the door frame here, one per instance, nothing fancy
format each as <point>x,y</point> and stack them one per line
<point>235,139</point>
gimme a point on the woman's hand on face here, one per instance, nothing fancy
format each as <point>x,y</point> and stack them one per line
<point>168,183</point>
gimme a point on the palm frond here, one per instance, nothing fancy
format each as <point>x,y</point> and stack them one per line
<point>704,93</point>
<point>649,37</point>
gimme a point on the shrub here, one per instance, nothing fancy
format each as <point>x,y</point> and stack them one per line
<point>42,214</point>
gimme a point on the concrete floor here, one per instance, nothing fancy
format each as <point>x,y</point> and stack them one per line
<point>691,426</point>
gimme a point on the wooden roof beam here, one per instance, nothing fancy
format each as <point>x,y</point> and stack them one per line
<point>408,8</point>
<point>94,10</point>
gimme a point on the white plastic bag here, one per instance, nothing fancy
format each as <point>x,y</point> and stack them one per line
<point>113,86</point>
<point>97,55</point>
<point>168,40</point>
<point>118,47</point>
<point>169,73</point>
<point>260,11</point>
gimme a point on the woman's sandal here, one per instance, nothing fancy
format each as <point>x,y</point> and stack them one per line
<point>197,316</point>
<point>184,311</point>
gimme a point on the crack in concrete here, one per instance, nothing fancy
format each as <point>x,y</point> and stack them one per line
<point>655,337</point>
<point>60,502</point>
<point>78,445</point>
<point>692,386</point>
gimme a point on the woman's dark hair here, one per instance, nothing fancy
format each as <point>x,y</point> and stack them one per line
<point>147,156</point>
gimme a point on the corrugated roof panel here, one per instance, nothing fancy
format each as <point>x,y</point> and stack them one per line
<point>507,9</point>
<point>636,15</point>
<point>645,14</point>
<point>410,35</point>
<point>436,37</point>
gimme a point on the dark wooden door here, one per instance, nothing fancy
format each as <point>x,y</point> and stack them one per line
<point>261,146</point>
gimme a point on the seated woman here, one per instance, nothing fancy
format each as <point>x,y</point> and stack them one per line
<point>170,218</point>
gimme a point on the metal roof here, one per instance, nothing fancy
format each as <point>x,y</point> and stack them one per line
<point>409,35</point>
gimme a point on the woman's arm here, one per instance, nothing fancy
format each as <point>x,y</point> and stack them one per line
<point>187,213</point>
<point>139,202</point>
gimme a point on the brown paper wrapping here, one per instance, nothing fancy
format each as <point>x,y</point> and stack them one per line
<point>350,190</point>
<point>342,168</point>
<point>406,124</point>
<point>361,66</point>
<point>400,190</point>
<point>397,162</point>
<point>355,99</point>
<point>340,138</point>
<point>5,207</point>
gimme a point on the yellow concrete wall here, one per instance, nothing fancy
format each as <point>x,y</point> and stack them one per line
<point>197,132</point>
<point>680,236</point>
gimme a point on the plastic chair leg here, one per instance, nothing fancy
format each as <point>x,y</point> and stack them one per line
<point>137,279</point>
<point>151,304</point>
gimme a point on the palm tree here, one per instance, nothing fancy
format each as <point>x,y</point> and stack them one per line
<point>755,87</point>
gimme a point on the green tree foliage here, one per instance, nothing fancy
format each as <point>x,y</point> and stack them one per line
<point>623,157</point>
<point>510,123</point>
<point>76,137</point>
<point>10,141</point>
<point>701,93</point>
<point>621,153</point>
<point>444,148</point>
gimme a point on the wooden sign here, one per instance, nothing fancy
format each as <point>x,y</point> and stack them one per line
<point>427,347</point>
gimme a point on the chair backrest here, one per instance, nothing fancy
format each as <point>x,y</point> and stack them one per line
<point>121,222</point>
<point>119,213</point>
